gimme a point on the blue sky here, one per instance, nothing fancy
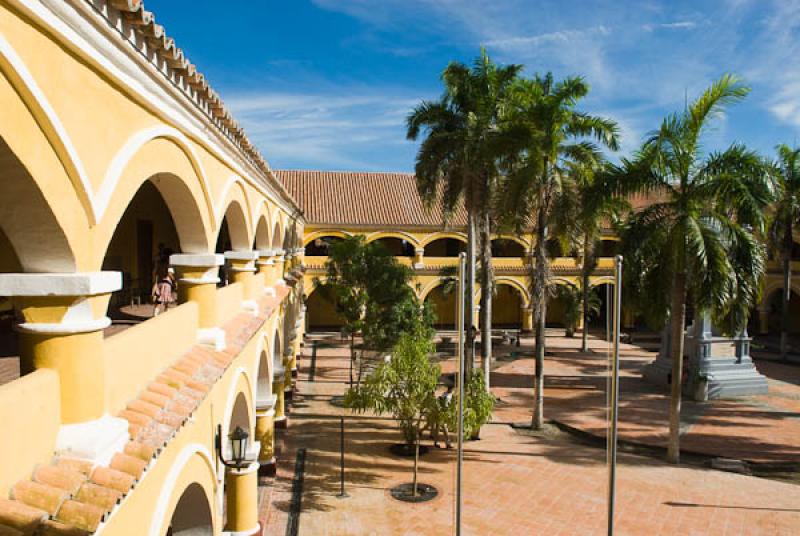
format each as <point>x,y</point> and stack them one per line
<point>327,84</point>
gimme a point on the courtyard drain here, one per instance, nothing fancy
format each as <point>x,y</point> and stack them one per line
<point>293,525</point>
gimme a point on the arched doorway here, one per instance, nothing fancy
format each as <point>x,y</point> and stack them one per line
<point>397,246</point>
<point>320,245</point>
<point>140,247</point>
<point>506,307</point>
<point>507,248</point>
<point>192,515</point>
<point>321,310</point>
<point>445,247</point>
<point>442,301</point>
<point>264,380</point>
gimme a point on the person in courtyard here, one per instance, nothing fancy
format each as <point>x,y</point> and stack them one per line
<point>440,423</point>
<point>163,288</point>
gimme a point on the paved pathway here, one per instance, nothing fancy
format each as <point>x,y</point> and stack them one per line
<point>514,483</point>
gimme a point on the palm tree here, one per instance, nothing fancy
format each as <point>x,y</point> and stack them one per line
<point>596,208</point>
<point>786,214</point>
<point>698,239</point>
<point>457,161</point>
<point>552,138</point>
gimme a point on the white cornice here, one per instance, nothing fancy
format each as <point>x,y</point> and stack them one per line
<point>87,34</point>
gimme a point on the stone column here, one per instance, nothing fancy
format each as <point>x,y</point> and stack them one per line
<point>278,378</point>
<point>265,434</point>
<point>243,270</point>
<point>288,360</point>
<point>63,317</point>
<point>527,318</point>
<point>198,278</point>
<point>241,491</point>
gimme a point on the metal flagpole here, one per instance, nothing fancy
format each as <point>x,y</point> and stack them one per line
<point>460,379</point>
<point>612,444</point>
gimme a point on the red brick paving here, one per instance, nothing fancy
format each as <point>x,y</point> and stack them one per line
<point>514,483</point>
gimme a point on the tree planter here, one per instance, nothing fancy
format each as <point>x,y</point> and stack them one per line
<point>406,450</point>
<point>403,492</point>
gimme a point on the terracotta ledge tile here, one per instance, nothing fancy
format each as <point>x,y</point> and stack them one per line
<point>20,516</point>
<point>134,417</point>
<point>155,434</point>
<point>80,515</point>
<point>145,408</point>
<point>111,478</point>
<point>100,496</point>
<point>54,528</point>
<point>154,398</point>
<point>5,530</point>
<point>74,464</point>
<point>39,496</point>
<point>162,389</point>
<point>59,477</point>
<point>172,420</point>
<point>140,450</point>
<point>193,393</point>
<point>128,464</point>
<point>184,410</point>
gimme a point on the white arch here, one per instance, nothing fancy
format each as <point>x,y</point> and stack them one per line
<point>231,399</point>
<point>221,206</point>
<point>519,287</point>
<point>172,477</point>
<point>129,150</point>
<point>377,235</point>
<point>22,80</point>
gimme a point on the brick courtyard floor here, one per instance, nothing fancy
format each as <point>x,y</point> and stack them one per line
<point>519,484</point>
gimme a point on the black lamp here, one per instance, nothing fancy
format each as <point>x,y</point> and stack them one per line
<point>239,439</point>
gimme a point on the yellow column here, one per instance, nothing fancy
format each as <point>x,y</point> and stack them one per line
<point>63,317</point>
<point>241,492</point>
<point>277,389</point>
<point>265,266</point>
<point>527,318</point>
<point>242,265</point>
<point>265,434</point>
<point>279,264</point>
<point>198,275</point>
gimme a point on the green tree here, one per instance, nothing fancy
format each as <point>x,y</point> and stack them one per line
<point>578,302</point>
<point>551,138</point>
<point>697,240</point>
<point>785,215</point>
<point>457,162</point>
<point>403,386</point>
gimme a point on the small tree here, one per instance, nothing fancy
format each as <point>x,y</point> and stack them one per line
<point>573,298</point>
<point>403,386</point>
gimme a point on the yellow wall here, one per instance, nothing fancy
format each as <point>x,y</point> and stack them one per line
<point>137,355</point>
<point>29,413</point>
<point>229,300</point>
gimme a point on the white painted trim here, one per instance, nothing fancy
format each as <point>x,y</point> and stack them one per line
<point>197,259</point>
<point>131,147</point>
<point>65,328</point>
<point>87,34</point>
<point>162,503</point>
<point>222,205</point>
<point>249,532</point>
<point>73,165</point>
<point>63,284</point>
<point>97,440</point>
<point>242,255</point>
<point>231,400</point>
<point>214,337</point>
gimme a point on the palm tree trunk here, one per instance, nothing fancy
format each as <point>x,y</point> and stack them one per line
<point>585,292</point>
<point>787,290</point>
<point>677,320</point>
<point>540,311</point>
<point>469,309</point>
<point>487,284</point>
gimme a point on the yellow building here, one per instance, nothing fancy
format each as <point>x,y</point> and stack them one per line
<point>118,162</point>
<point>386,207</point>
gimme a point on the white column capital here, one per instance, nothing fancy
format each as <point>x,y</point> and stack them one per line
<point>243,261</point>
<point>60,284</point>
<point>197,260</point>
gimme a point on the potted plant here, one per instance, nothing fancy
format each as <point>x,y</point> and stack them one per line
<point>700,386</point>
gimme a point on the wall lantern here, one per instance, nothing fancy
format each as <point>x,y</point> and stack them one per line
<point>238,441</point>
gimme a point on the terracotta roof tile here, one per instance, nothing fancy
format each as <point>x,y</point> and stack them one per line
<point>364,198</point>
<point>59,477</point>
<point>140,450</point>
<point>100,496</point>
<point>128,464</point>
<point>54,528</point>
<point>111,478</point>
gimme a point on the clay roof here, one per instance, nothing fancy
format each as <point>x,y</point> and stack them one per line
<point>73,497</point>
<point>364,199</point>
